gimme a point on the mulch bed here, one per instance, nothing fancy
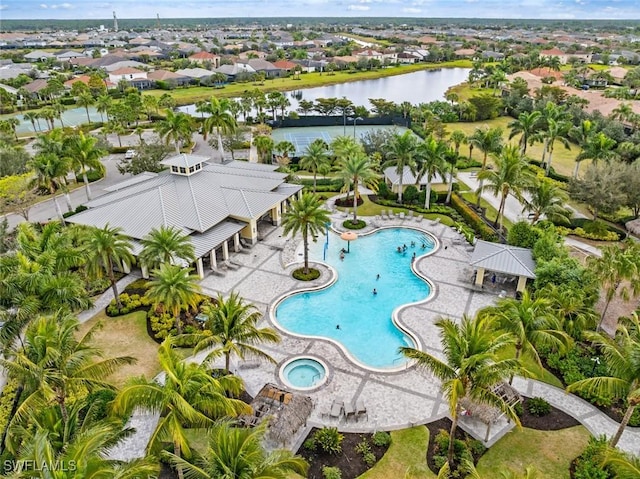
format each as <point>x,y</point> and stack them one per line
<point>554,421</point>
<point>349,462</point>
<point>344,203</point>
<point>434,428</point>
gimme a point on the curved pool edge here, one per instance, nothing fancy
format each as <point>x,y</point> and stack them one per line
<point>394,315</point>
<point>297,357</point>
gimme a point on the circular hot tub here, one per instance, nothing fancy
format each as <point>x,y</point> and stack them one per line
<point>303,373</point>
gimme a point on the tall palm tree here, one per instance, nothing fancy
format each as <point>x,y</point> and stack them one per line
<point>431,160</point>
<point>580,135</point>
<point>488,141</point>
<point>85,154</point>
<point>555,131</point>
<point>85,100</point>
<point>105,248</point>
<point>457,138</point>
<point>232,324</point>
<point>470,367</point>
<point>307,217</point>
<point>511,176</point>
<point>172,289</point>
<point>53,366</point>
<point>32,116</point>
<point>622,357</point>
<point>547,199</point>
<point>176,127</point>
<point>165,245</point>
<point>598,147</point>
<point>618,270</point>
<point>356,169</point>
<point>401,152</point>
<point>571,307</point>
<point>316,158</point>
<point>525,125</point>
<point>531,322</point>
<point>264,146</point>
<point>103,105</point>
<point>220,119</point>
<point>234,452</point>
<point>188,396</point>
<point>50,170</point>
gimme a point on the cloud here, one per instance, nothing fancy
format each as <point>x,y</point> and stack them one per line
<point>359,8</point>
<point>3,7</point>
<point>411,10</point>
<point>44,5</point>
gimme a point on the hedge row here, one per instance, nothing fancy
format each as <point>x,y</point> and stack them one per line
<point>552,173</point>
<point>472,218</point>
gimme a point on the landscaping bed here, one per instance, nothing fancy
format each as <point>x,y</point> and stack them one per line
<point>348,202</point>
<point>554,420</point>
<point>437,453</point>
<point>349,460</point>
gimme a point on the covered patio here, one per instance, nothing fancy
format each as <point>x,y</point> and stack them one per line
<point>492,259</point>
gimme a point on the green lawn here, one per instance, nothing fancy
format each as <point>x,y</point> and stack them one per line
<point>126,336</point>
<point>369,208</point>
<point>550,452</point>
<point>562,160</point>
<point>184,96</point>
<point>406,457</point>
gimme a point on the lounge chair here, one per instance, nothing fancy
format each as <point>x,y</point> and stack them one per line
<point>349,411</point>
<point>361,409</point>
<point>401,215</point>
<point>384,215</point>
<point>410,215</point>
<point>337,409</point>
<point>419,218</point>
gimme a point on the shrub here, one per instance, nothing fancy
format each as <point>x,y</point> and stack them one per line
<point>7,399</point>
<point>518,409</point>
<point>538,406</point>
<point>369,458</point>
<point>381,438</point>
<point>472,218</point>
<point>300,275</point>
<point>523,234</point>
<point>587,465</point>
<point>476,447</point>
<point>441,441</point>
<point>410,194</point>
<point>363,447</point>
<point>161,324</point>
<point>309,444</point>
<point>329,440</point>
<point>331,472</point>
<point>354,225</point>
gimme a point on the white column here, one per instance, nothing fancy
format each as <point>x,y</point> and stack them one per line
<point>225,251</point>
<point>275,215</point>
<point>125,268</point>
<point>479,276</point>
<point>212,257</point>
<point>236,242</point>
<point>522,282</point>
<point>145,271</point>
<point>200,268</point>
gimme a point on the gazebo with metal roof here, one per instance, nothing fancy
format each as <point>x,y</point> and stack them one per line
<point>501,258</point>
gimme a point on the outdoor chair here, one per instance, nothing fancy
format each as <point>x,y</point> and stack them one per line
<point>410,215</point>
<point>337,408</point>
<point>419,218</point>
<point>385,215</point>
<point>401,215</point>
<point>361,409</point>
<point>349,411</point>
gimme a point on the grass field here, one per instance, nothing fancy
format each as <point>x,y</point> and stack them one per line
<point>185,96</point>
<point>126,336</point>
<point>562,160</point>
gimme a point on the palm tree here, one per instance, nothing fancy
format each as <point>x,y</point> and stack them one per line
<point>233,327</point>
<point>511,176</point>
<point>85,99</point>
<point>571,307</point>
<point>623,112</point>
<point>487,140</point>
<point>531,322</point>
<point>172,289</point>
<point>597,147</point>
<point>625,466</point>
<point>176,127</point>
<point>234,452</point>
<point>401,152</point>
<point>33,118</point>
<point>547,199</point>
<point>622,357</point>
<point>555,131</point>
<point>220,119</point>
<point>470,367</point>
<point>618,270</point>
<point>264,146</point>
<point>580,135</point>
<point>53,366</point>
<point>316,158</point>
<point>103,105</point>
<point>188,396</point>
<point>84,154</point>
<point>150,104</point>
<point>165,245</point>
<point>105,248</point>
<point>307,217</point>
<point>50,170</point>
<point>458,137</point>
<point>431,160</point>
<point>357,168</point>
<point>526,125</point>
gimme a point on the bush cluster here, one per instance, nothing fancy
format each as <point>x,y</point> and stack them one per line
<point>351,225</point>
<point>7,398</point>
<point>538,406</point>
<point>329,440</point>
<point>472,218</point>
<point>300,275</point>
<point>364,449</point>
<point>582,233</point>
<point>381,438</point>
<point>331,472</point>
<point>162,324</point>
<point>587,465</point>
<point>469,450</point>
<point>130,303</point>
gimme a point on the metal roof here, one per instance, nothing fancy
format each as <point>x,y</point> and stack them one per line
<point>134,180</point>
<point>408,178</point>
<point>184,160</point>
<point>503,259</point>
<point>205,242</point>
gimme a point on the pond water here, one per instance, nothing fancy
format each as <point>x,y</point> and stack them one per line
<point>71,117</point>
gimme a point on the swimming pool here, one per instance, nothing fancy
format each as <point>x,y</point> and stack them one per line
<point>348,311</point>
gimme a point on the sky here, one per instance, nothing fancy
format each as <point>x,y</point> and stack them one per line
<point>100,9</point>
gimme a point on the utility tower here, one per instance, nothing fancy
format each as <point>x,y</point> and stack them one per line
<point>158,21</point>
<point>115,22</point>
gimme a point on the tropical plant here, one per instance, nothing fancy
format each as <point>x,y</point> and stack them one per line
<point>525,125</point>
<point>572,307</point>
<point>85,154</point>
<point>307,217</point>
<point>172,289</point>
<point>531,322</point>
<point>546,199</point>
<point>234,452</point>
<point>470,367</point>
<point>315,158</point>
<point>511,176</point>
<point>264,147</point>
<point>622,357</point>
<point>431,160</point>
<point>401,153</point>
<point>220,119</point>
<point>105,248</point>
<point>597,147</point>
<point>103,105</point>
<point>487,140</point>
<point>165,244</point>
<point>231,326</point>
<point>176,127</point>
<point>50,171</point>
<point>458,138</point>
<point>85,100</point>
<point>357,168</point>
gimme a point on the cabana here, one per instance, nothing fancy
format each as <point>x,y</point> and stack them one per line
<point>505,259</point>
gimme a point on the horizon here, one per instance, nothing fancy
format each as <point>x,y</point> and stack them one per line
<point>96,10</point>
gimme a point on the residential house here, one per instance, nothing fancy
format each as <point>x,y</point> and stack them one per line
<point>464,53</point>
<point>39,56</point>
<point>251,54</point>
<point>195,73</point>
<point>136,78</point>
<point>285,65</point>
<point>408,57</point>
<point>206,58</point>
<point>232,71</point>
<point>69,55</point>
<point>268,68</point>
<point>171,78</point>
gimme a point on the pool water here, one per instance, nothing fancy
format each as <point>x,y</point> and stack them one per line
<point>304,373</point>
<point>348,312</point>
